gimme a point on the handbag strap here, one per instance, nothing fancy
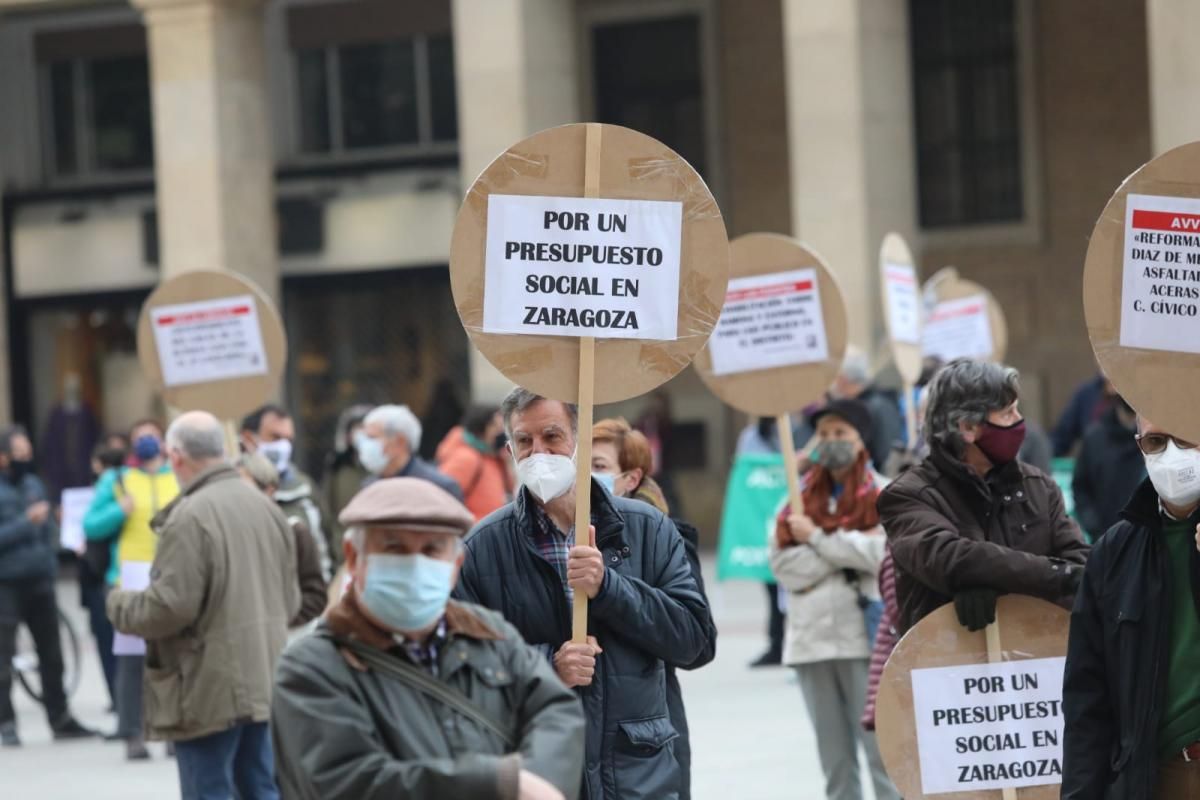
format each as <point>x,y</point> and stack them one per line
<point>417,679</point>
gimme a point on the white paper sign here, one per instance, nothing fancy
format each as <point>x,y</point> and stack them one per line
<point>959,329</point>
<point>74,504</point>
<point>570,266</point>
<point>903,303</point>
<point>135,577</point>
<point>769,321</point>
<point>1160,288</point>
<point>213,340</point>
<point>989,726</point>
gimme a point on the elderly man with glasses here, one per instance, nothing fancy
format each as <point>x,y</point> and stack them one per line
<point>1132,686</point>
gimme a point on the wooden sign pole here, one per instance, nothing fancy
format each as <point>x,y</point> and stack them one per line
<point>788,447</point>
<point>233,446</point>
<point>587,391</point>
<point>995,656</point>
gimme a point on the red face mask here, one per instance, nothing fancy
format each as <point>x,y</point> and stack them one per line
<point>1001,443</point>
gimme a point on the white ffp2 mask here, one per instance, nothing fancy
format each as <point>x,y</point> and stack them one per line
<point>547,476</point>
<point>1175,474</point>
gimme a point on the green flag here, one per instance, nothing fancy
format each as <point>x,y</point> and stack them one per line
<point>757,488</point>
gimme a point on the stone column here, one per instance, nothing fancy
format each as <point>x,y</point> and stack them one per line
<point>1174,72</point>
<point>850,135</point>
<point>214,166</point>
<point>515,65</point>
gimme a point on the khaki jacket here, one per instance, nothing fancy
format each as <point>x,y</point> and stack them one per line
<point>344,734</point>
<point>222,590</point>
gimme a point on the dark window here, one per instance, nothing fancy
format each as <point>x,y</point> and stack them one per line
<point>313,77</point>
<point>648,77</point>
<point>98,112</point>
<point>379,94</point>
<point>441,89</point>
<point>965,88</point>
<point>62,117</point>
<point>119,90</point>
<point>366,96</point>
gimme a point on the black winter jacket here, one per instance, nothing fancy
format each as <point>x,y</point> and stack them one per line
<point>675,707</point>
<point>1108,470</point>
<point>27,551</point>
<point>649,615</point>
<point>1117,659</point>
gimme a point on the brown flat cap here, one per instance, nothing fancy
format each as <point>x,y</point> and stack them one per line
<point>409,503</point>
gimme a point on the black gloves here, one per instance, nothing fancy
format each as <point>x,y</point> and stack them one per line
<point>1072,577</point>
<point>976,608</point>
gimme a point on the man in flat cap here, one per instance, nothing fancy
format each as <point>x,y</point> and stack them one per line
<point>437,698</point>
<point>645,611</point>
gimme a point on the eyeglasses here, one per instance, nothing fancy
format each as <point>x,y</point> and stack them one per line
<point>1154,443</point>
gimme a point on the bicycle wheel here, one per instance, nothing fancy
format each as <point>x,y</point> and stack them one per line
<point>72,669</point>
<point>25,662</point>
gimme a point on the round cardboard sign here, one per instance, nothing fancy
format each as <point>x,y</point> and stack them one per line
<point>212,341</point>
<point>632,166</point>
<point>1029,629</point>
<point>773,391</point>
<point>902,305</point>
<point>946,286</point>
<point>1154,363</point>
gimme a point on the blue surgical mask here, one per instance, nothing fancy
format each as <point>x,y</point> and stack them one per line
<point>407,593</point>
<point>147,448</point>
<point>606,479</point>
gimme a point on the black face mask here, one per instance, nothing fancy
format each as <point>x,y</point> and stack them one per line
<point>499,442</point>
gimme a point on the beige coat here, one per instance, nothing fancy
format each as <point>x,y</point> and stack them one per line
<point>824,620</point>
<point>215,617</point>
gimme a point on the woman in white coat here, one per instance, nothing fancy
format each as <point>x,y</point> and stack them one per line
<point>827,556</point>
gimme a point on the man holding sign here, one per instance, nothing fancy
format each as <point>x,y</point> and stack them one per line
<point>1132,683</point>
<point>646,610</point>
<point>971,522</point>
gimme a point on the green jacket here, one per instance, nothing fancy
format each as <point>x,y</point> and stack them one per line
<point>215,617</point>
<point>343,734</point>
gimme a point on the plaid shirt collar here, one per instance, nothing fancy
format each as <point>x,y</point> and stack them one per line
<point>425,654</point>
<point>553,545</point>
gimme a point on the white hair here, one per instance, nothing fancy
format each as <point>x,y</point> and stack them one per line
<point>856,367</point>
<point>357,536</point>
<point>198,435</point>
<point>397,421</point>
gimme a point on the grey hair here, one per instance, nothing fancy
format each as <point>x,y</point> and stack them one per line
<point>397,421</point>
<point>357,537</point>
<point>260,470</point>
<point>966,390</point>
<point>198,435</point>
<point>856,367</point>
<point>520,399</point>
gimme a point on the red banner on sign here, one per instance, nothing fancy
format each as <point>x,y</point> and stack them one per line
<point>1166,221</point>
<point>769,291</point>
<point>204,316</point>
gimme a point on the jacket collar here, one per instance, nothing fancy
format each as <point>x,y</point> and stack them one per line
<point>217,473</point>
<point>462,620</point>
<point>214,474</point>
<point>608,520</point>
<point>1144,507</point>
